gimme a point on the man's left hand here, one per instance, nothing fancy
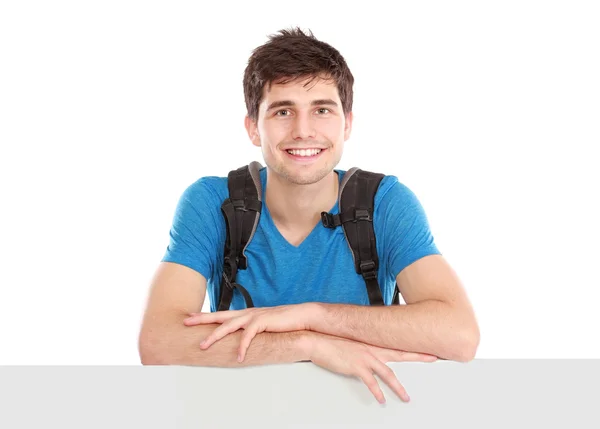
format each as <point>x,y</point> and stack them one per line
<point>284,318</point>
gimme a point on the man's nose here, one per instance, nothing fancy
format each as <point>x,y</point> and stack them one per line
<point>303,127</point>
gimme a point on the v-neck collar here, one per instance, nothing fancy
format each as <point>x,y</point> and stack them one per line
<point>271,224</point>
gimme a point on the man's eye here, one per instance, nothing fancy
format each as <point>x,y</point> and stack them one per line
<point>323,108</point>
<point>278,113</point>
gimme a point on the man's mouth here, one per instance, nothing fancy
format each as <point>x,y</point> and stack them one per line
<point>304,153</point>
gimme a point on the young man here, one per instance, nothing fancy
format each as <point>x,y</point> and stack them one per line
<point>309,302</point>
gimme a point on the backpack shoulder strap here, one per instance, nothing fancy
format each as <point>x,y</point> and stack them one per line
<point>242,212</point>
<point>356,207</point>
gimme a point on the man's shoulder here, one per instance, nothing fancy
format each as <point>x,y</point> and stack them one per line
<point>215,184</point>
<point>206,189</point>
<point>392,187</point>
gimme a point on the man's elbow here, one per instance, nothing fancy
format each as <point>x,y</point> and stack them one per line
<point>150,357</point>
<point>148,354</point>
<point>466,344</point>
<point>152,353</point>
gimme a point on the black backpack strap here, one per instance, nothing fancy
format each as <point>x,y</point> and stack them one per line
<point>356,207</point>
<point>242,212</point>
<point>396,297</point>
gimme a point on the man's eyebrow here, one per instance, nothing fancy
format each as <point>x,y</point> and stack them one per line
<point>287,103</point>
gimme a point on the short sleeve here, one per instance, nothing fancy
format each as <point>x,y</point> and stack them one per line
<point>195,231</point>
<point>407,233</point>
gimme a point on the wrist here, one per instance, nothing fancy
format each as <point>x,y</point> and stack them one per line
<point>305,343</point>
<point>316,312</point>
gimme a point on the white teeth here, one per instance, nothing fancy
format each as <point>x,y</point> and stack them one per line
<point>304,152</point>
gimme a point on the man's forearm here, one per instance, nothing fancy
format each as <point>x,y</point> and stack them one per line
<point>432,327</point>
<point>180,345</point>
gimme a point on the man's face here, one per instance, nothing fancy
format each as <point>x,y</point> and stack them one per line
<point>301,130</point>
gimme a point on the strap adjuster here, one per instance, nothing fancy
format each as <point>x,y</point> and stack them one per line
<point>239,205</point>
<point>244,204</point>
<point>367,270</point>
<point>362,214</point>
<point>329,220</point>
<point>240,262</point>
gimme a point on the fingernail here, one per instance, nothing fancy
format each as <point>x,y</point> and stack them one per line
<point>239,358</point>
<point>202,342</point>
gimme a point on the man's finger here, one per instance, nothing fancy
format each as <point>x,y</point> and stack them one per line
<point>216,317</point>
<point>249,333</point>
<point>223,330</point>
<point>389,378</point>
<point>367,377</point>
<point>200,318</point>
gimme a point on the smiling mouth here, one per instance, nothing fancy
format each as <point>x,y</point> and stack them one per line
<point>304,153</point>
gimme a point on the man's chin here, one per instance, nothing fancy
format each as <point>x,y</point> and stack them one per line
<point>304,178</point>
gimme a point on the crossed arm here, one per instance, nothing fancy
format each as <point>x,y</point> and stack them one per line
<point>437,320</point>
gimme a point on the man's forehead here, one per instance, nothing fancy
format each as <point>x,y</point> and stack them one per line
<point>305,89</point>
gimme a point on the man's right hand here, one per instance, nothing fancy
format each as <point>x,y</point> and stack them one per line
<point>361,360</point>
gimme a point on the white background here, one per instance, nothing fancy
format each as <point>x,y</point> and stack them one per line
<point>488,111</point>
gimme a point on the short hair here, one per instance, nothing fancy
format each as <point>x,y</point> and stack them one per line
<point>292,55</point>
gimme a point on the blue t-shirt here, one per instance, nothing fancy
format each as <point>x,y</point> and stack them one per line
<point>320,269</point>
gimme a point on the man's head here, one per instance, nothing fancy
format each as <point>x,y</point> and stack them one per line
<point>298,93</point>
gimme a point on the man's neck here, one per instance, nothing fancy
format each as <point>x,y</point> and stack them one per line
<point>300,206</point>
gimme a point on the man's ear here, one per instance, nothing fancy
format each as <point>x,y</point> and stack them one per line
<point>348,125</point>
<point>252,130</point>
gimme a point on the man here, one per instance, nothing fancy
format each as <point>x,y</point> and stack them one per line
<point>309,302</point>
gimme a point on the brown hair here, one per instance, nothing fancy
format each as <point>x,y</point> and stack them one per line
<point>292,55</point>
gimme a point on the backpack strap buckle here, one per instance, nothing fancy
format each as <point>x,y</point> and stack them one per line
<point>246,204</point>
<point>330,220</point>
<point>239,205</point>
<point>367,269</point>
<point>362,214</point>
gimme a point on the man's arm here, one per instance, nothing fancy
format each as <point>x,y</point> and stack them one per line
<point>177,290</point>
<point>437,319</point>
<point>179,346</point>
